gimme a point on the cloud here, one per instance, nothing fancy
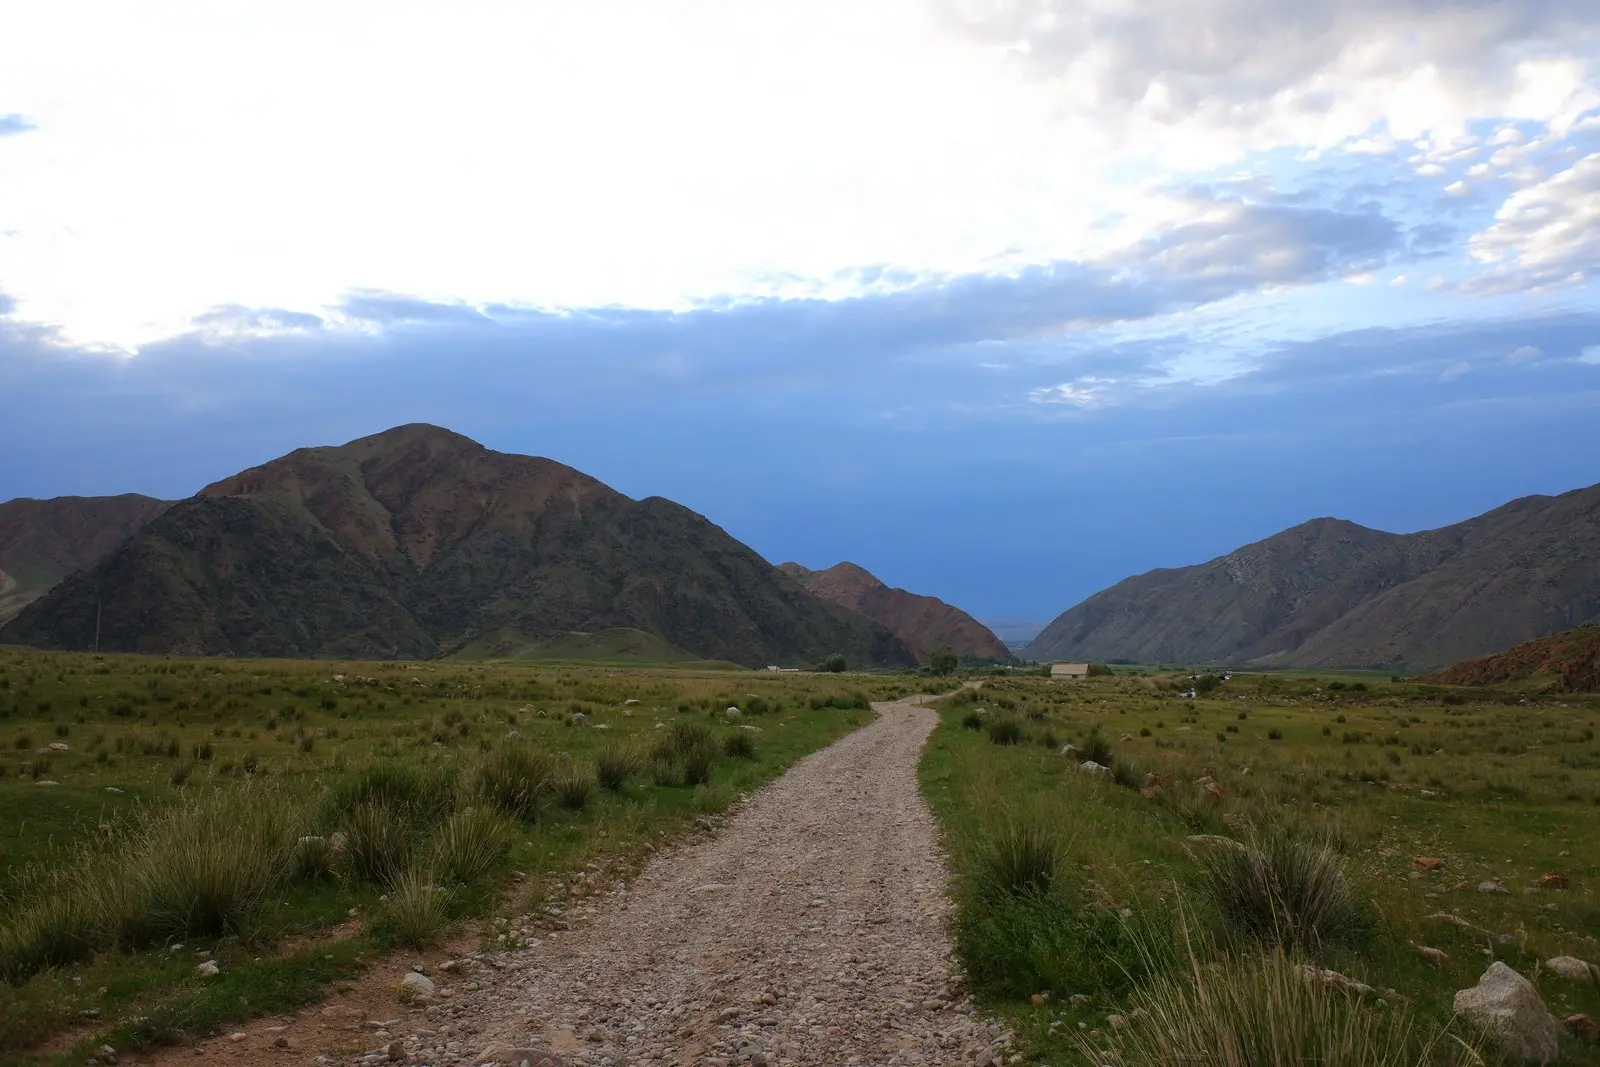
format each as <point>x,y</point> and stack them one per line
<point>1081,393</point>
<point>1314,72</point>
<point>1545,235</point>
<point>232,320</point>
<point>11,125</point>
<point>1523,353</point>
<point>1455,370</point>
<point>387,309</point>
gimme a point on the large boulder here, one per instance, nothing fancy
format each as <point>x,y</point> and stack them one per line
<point>1505,1006</point>
<point>1573,969</point>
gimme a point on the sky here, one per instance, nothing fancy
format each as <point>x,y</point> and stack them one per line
<point>1004,300</point>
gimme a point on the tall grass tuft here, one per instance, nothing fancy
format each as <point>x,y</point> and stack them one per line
<point>58,926</point>
<point>1097,748</point>
<point>416,912</point>
<point>1004,730</point>
<point>427,793</point>
<point>468,844</point>
<point>615,763</point>
<point>1263,1010</point>
<point>572,787</point>
<point>739,746</point>
<point>1021,858</point>
<point>1283,889</point>
<point>514,779</point>
<point>378,842</point>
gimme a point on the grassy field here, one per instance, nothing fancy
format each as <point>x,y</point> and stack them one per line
<point>293,820</point>
<point>1088,895</point>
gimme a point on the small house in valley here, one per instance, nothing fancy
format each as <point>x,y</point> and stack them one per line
<point>1059,671</point>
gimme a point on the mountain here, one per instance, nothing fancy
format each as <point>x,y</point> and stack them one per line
<point>42,541</point>
<point>1568,662</point>
<point>418,542</point>
<point>1330,593</point>
<point>922,622</point>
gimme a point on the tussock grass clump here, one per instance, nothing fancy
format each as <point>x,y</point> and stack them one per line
<point>426,792</point>
<point>468,844</point>
<point>378,842</point>
<point>1284,889</point>
<point>1097,748</point>
<point>615,763</point>
<point>972,721</point>
<point>1127,773</point>
<point>690,750</point>
<point>416,912</point>
<point>1004,731</point>
<point>313,858</point>
<point>1263,1010</point>
<point>739,746</point>
<point>697,764</point>
<point>573,786</point>
<point>1020,858</point>
<point>514,779</point>
<point>59,926</point>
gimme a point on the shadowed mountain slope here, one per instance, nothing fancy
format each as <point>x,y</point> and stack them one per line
<point>416,541</point>
<point>922,622</point>
<point>43,541</point>
<point>1331,593</point>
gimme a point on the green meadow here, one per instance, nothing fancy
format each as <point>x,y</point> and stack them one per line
<point>1276,821</point>
<point>294,820</point>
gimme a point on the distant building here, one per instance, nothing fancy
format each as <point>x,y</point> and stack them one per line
<point>1069,670</point>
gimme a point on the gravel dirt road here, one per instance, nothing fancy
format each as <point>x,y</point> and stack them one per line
<point>810,930</point>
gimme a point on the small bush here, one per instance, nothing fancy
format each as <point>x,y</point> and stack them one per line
<point>1274,735</point>
<point>469,844</point>
<point>313,858</point>
<point>1284,890</point>
<point>573,786</point>
<point>1004,731</point>
<point>1097,748</point>
<point>739,746</point>
<point>972,721</point>
<point>697,763</point>
<point>615,763</point>
<point>662,770</point>
<point>1126,773</point>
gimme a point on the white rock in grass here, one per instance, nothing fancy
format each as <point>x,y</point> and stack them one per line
<point>1573,969</point>
<point>1506,1006</point>
<point>58,746</point>
<point>417,983</point>
<point>1089,766</point>
<point>733,713</point>
<point>208,969</point>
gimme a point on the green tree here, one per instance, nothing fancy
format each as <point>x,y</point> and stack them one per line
<point>943,660</point>
<point>834,664</point>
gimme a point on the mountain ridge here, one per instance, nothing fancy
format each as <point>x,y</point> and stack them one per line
<point>922,622</point>
<point>44,540</point>
<point>418,539</point>
<point>1332,593</point>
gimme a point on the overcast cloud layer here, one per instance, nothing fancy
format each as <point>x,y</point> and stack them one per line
<point>1003,300</point>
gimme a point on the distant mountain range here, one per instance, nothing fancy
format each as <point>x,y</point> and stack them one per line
<point>922,622</point>
<point>43,541</point>
<point>419,542</point>
<point>1330,593</point>
<point>1567,662</point>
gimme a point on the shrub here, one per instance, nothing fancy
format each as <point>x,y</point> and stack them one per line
<point>834,664</point>
<point>1127,773</point>
<point>972,721</point>
<point>1004,731</point>
<point>615,763</point>
<point>1285,890</point>
<point>1097,748</point>
<point>469,844</point>
<point>739,746</point>
<point>1262,1010</point>
<point>416,912</point>
<point>697,763</point>
<point>514,778</point>
<point>572,787</point>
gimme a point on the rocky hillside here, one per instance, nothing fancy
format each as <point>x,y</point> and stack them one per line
<point>43,541</point>
<point>418,541</point>
<point>922,622</point>
<point>1567,662</point>
<point>1331,593</point>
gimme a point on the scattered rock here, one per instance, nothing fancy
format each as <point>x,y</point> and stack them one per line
<point>1427,863</point>
<point>1116,1022</point>
<point>1040,999</point>
<point>46,781</point>
<point>396,1051</point>
<point>732,713</point>
<point>1573,969</point>
<point>1492,887</point>
<point>1069,750</point>
<point>580,719</point>
<point>237,1036</point>
<point>208,969</point>
<point>59,746</point>
<point>630,702</point>
<point>1089,766</point>
<point>1506,1007</point>
<point>419,984</point>
<point>1581,1025</point>
<point>1553,880</point>
<point>1436,956</point>
<point>280,1042</point>
<point>1127,737</point>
